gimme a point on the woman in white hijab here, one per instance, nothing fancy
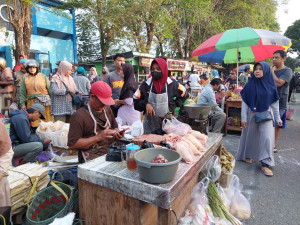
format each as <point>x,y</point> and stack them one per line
<point>62,84</point>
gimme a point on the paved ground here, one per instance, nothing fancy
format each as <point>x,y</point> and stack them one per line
<point>274,200</point>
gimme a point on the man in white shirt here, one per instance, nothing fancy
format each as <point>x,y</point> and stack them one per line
<point>195,80</point>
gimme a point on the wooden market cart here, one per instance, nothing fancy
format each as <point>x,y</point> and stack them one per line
<point>110,194</point>
<point>232,103</point>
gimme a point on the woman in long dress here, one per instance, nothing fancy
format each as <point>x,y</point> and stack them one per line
<point>126,111</point>
<point>62,84</point>
<point>257,139</point>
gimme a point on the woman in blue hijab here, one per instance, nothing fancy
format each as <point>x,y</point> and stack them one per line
<point>257,139</point>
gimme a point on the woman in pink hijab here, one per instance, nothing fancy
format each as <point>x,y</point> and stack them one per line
<point>62,84</point>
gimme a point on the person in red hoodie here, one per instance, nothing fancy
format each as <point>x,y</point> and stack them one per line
<point>158,95</point>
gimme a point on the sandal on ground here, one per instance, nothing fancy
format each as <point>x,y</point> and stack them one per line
<point>248,160</point>
<point>275,149</point>
<point>267,171</point>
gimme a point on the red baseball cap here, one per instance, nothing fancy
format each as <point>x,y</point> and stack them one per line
<point>103,92</point>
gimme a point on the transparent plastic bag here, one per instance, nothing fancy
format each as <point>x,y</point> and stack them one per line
<point>239,205</point>
<point>195,213</point>
<point>198,195</point>
<point>175,127</point>
<point>223,196</point>
<point>181,128</point>
<point>234,184</point>
<point>137,128</point>
<point>212,169</point>
<point>168,126</point>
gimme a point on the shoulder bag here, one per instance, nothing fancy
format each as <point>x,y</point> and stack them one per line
<point>44,100</point>
<point>76,98</point>
<point>263,116</point>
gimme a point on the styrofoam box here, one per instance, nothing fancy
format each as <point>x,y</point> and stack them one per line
<point>56,138</point>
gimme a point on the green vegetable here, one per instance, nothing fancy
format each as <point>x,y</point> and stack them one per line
<point>217,206</point>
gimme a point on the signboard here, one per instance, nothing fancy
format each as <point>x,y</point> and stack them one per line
<point>176,65</point>
<point>145,62</point>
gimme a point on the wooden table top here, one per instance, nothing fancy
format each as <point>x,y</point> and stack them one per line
<point>115,176</point>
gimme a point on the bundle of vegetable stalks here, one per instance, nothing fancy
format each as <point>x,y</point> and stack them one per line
<point>217,206</point>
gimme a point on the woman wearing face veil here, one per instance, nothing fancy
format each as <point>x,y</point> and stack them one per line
<point>155,97</point>
<point>259,97</point>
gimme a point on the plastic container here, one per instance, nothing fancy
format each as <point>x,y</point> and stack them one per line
<point>58,138</point>
<point>157,173</point>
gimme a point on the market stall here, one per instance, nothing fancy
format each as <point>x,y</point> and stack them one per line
<point>109,193</point>
<point>233,114</point>
<point>177,68</point>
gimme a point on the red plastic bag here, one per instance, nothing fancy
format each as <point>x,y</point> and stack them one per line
<point>290,114</point>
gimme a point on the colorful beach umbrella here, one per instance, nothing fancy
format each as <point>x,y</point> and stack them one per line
<point>242,45</point>
<point>242,67</point>
<point>238,39</point>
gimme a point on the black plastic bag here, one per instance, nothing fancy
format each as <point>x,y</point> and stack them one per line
<point>115,151</point>
<point>147,144</point>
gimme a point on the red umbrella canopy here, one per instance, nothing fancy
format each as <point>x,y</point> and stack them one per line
<point>252,44</point>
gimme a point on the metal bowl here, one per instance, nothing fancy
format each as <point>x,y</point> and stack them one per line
<point>198,111</point>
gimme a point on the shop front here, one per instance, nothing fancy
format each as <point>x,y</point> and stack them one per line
<point>177,68</point>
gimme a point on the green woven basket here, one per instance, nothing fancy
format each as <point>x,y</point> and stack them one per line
<point>50,204</point>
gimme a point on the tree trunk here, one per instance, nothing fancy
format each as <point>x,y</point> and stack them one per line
<point>178,43</point>
<point>188,40</point>
<point>27,30</point>
<point>150,33</point>
<point>20,18</point>
<point>161,47</point>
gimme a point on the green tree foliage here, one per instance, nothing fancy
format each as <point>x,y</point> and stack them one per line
<point>292,62</point>
<point>106,15</point>
<point>176,27</point>
<point>293,32</point>
<point>88,43</point>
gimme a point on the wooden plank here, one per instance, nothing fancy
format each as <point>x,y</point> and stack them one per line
<point>99,205</point>
<point>236,128</point>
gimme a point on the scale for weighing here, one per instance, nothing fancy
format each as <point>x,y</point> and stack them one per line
<point>197,116</point>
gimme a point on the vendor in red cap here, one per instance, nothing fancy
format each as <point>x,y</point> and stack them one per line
<point>158,95</point>
<point>93,127</point>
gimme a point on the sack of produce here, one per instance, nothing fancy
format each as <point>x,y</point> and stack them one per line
<point>227,162</point>
<point>212,169</point>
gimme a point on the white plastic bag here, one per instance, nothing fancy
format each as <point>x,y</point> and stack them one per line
<point>223,196</point>
<point>212,168</point>
<point>175,127</point>
<point>119,121</point>
<point>198,195</point>
<point>137,128</point>
<point>239,205</point>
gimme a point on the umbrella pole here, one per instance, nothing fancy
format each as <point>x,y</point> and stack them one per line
<point>237,68</point>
